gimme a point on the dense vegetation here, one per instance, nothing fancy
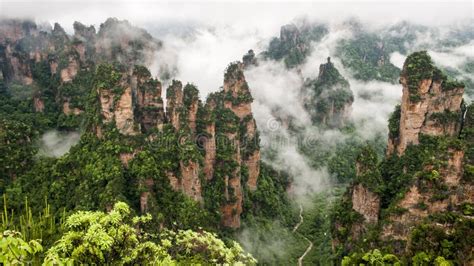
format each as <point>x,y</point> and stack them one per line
<point>81,207</point>
<point>294,44</point>
<point>116,237</point>
<point>422,166</point>
<point>419,67</point>
<point>92,177</point>
<point>368,57</point>
<point>330,96</point>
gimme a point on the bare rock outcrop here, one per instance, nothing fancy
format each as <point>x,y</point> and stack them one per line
<point>174,103</point>
<point>431,104</point>
<point>328,98</point>
<point>123,112</point>
<point>148,97</point>
<point>237,99</point>
<point>208,139</point>
<point>366,203</point>
<point>190,183</point>
<point>68,73</point>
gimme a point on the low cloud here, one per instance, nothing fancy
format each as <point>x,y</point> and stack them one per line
<point>55,143</point>
<point>270,243</point>
<point>374,101</point>
<point>397,59</point>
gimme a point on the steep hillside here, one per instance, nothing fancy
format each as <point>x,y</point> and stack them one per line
<point>417,202</point>
<point>197,164</point>
<point>330,97</point>
<point>294,43</point>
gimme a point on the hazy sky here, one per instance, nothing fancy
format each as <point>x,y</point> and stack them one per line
<point>262,14</point>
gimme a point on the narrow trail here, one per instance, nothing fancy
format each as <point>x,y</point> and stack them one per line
<point>310,246</point>
<point>300,260</point>
<point>301,219</point>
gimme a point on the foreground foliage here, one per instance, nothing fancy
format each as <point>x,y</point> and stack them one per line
<point>117,238</point>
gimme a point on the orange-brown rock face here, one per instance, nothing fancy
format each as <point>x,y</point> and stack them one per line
<point>70,71</point>
<point>21,43</point>
<point>208,141</point>
<point>182,105</point>
<point>174,103</point>
<point>192,112</point>
<point>191,104</point>
<point>434,176</point>
<point>53,66</point>
<point>67,110</point>
<point>232,208</point>
<point>38,104</point>
<point>400,225</point>
<point>425,110</point>
<point>138,108</point>
<point>145,195</point>
<point>251,157</point>
<point>118,108</point>
<point>366,203</point>
<point>106,98</point>
<point>236,92</point>
<point>16,66</point>
<point>125,158</point>
<point>14,30</point>
<point>182,108</point>
<point>124,118</point>
<point>190,182</point>
<point>238,100</point>
<point>253,165</point>
<point>149,101</point>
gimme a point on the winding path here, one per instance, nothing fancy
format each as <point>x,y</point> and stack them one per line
<point>300,259</point>
<point>301,219</point>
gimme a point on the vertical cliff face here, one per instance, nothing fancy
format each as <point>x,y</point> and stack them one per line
<point>182,108</point>
<point>131,100</point>
<point>190,104</point>
<point>208,137</point>
<point>431,104</point>
<point>14,65</point>
<point>217,143</point>
<point>149,108</point>
<point>37,58</point>
<point>174,103</point>
<point>366,203</point>
<point>119,40</point>
<point>426,178</point>
<point>189,182</point>
<point>68,73</point>
<point>329,97</point>
<point>229,167</point>
<point>243,140</point>
<point>238,99</point>
<point>363,200</point>
<point>225,131</point>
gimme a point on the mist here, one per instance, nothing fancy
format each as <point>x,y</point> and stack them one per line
<point>202,38</point>
<point>55,143</point>
<point>199,40</point>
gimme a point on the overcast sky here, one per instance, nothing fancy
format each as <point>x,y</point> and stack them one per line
<point>262,14</point>
<point>223,31</point>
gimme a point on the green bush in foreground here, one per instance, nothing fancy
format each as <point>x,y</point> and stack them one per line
<point>117,238</point>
